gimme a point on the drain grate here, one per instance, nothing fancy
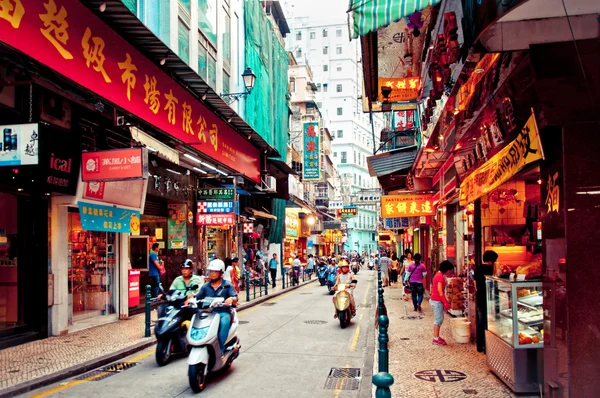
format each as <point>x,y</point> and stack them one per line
<point>315,322</point>
<point>343,379</point>
<point>107,371</point>
<point>269,304</point>
<point>243,322</point>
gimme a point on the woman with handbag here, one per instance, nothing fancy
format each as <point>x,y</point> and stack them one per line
<point>416,273</point>
<point>408,261</point>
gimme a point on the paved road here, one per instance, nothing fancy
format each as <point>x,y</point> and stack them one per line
<point>282,355</point>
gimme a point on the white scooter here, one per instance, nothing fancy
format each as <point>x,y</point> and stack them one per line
<point>203,338</point>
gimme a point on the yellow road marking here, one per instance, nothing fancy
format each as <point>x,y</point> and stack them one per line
<point>355,339</point>
<point>91,378</point>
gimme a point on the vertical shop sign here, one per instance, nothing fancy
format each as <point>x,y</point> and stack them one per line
<point>312,152</point>
<point>177,226</point>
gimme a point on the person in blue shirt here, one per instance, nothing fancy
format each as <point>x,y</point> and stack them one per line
<point>155,267</point>
<point>273,263</point>
<point>310,265</point>
<point>217,287</point>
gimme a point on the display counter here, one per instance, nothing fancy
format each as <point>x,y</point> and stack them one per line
<point>514,339</point>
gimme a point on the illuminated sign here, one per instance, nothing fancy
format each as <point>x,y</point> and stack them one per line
<point>403,89</point>
<point>411,205</point>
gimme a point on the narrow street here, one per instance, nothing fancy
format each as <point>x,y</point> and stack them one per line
<point>289,346</point>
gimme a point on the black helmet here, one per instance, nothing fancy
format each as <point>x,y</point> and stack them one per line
<point>187,264</point>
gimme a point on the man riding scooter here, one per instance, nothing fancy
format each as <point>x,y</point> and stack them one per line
<point>187,279</point>
<point>345,278</point>
<point>217,287</point>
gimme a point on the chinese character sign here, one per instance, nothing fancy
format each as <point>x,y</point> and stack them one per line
<point>215,219</point>
<point>116,164</point>
<point>69,38</point>
<point>403,89</point>
<point>312,152</point>
<point>412,205</point>
<point>215,207</point>
<point>216,194</point>
<point>95,217</point>
<point>177,226</point>
<point>348,211</point>
<point>525,149</point>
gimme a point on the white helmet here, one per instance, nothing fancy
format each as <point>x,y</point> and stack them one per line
<point>216,265</point>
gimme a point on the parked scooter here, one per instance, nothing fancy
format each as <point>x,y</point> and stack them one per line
<point>331,277</point>
<point>203,338</point>
<point>342,302</point>
<point>171,328</point>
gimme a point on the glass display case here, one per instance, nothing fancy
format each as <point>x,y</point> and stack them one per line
<point>514,339</point>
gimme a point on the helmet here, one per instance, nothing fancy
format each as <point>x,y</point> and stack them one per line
<point>216,265</point>
<point>344,263</point>
<point>187,264</point>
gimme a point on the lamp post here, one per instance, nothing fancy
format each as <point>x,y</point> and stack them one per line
<point>382,380</point>
<point>249,79</point>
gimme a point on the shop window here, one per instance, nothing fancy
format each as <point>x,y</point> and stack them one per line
<point>183,42</point>
<point>9,288</point>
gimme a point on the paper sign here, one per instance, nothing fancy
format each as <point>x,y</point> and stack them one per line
<point>158,233</point>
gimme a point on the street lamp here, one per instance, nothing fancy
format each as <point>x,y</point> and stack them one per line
<point>249,79</point>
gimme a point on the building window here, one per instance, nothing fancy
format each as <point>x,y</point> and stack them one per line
<point>324,32</point>
<point>201,57</point>
<point>298,35</point>
<point>226,79</point>
<point>344,158</point>
<point>293,86</point>
<point>212,71</point>
<point>339,69</point>
<point>312,35</point>
<point>325,68</point>
<point>183,42</point>
<point>319,104</point>
<point>338,33</point>
<point>325,50</point>
<point>298,53</point>
<point>335,154</point>
<point>354,157</point>
<point>338,50</point>
<point>325,87</point>
<point>340,111</point>
<point>207,19</point>
<point>340,134</point>
<point>318,87</point>
<point>226,37</point>
<point>338,88</point>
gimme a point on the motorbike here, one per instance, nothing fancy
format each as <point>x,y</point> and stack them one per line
<point>321,273</point>
<point>294,277</point>
<point>330,279</point>
<point>342,302</point>
<point>355,267</point>
<point>202,336</point>
<point>171,328</point>
<point>371,265</point>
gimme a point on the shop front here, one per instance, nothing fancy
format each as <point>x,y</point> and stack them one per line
<point>216,210</point>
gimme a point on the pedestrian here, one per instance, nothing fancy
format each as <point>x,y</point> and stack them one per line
<point>296,268</point>
<point>235,274</point>
<point>273,263</point>
<point>394,269</point>
<point>407,262</point>
<point>310,264</point>
<point>438,300</point>
<point>416,273</point>
<point>156,268</point>
<point>483,270</point>
<point>384,264</point>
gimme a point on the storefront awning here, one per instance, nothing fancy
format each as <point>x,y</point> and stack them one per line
<point>279,168</point>
<point>261,214</point>
<point>153,144</point>
<point>370,15</point>
<point>393,161</point>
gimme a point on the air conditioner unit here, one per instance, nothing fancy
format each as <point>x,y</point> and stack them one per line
<point>269,184</point>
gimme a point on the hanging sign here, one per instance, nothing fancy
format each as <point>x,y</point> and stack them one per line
<point>248,227</point>
<point>312,152</point>
<point>215,207</point>
<point>403,89</point>
<point>216,219</point>
<point>216,194</point>
<point>412,205</point>
<point>116,164</point>
<point>348,211</point>
<point>95,217</point>
<point>177,226</point>
<point>19,144</point>
<point>525,149</point>
<point>332,225</point>
<point>292,225</point>
<point>68,37</point>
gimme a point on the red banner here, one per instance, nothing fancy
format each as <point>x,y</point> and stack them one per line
<point>216,219</point>
<point>116,164</point>
<point>67,37</point>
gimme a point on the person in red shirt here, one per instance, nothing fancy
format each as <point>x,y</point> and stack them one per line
<point>438,300</point>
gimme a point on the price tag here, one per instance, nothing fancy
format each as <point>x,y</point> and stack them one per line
<point>521,277</point>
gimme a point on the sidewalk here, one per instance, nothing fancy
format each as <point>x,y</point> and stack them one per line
<point>412,351</point>
<point>42,362</point>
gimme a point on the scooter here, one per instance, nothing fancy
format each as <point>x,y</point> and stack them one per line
<point>171,328</point>
<point>203,338</point>
<point>342,301</point>
<point>331,278</point>
<point>355,267</point>
<point>322,273</point>
<point>371,265</point>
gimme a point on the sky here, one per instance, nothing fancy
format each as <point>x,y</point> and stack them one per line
<point>319,11</point>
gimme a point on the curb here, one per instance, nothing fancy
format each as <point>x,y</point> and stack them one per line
<point>115,356</point>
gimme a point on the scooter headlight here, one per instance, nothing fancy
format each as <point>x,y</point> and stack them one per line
<point>199,333</point>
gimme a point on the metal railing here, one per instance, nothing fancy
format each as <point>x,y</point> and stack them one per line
<point>262,282</point>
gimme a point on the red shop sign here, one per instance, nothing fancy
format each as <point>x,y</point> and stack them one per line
<point>116,164</point>
<point>215,219</point>
<point>67,37</point>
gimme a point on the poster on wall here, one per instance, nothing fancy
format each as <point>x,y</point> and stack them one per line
<point>312,152</point>
<point>177,226</point>
<point>19,144</point>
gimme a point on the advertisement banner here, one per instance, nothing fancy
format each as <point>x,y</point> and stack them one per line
<point>216,219</point>
<point>525,149</point>
<point>410,205</point>
<point>116,164</point>
<point>177,226</point>
<point>95,217</point>
<point>66,36</point>
<point>121,193</point>
<point>19,144</point>
<point>312,152</point>
<point>292,225</point>
<point>216,194</point>
<point>403,89</point>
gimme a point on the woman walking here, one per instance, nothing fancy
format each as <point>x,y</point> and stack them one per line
<point>438,300</point>
<point>407,262</point>
<point>394,269</point>
<point>416,273</point>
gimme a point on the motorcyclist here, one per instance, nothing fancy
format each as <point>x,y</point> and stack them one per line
<point>345,277</point>
<point>217,287</point>
<point>187,279</point>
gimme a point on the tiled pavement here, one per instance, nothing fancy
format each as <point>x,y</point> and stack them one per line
<point>45,357</point>
<point>416,354</point>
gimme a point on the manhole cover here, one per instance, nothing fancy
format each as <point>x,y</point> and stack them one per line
<point>439,375</point>
<point>269,304</point>
<point>243,322</point>
<point>470,392</point>
<point>107,371</point>
<point>343,379</point>
<point>313,322</point>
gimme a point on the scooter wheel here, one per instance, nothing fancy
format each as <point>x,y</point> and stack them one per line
<point>197,377</point>
<point>344,319</point>
<point>163,352</point>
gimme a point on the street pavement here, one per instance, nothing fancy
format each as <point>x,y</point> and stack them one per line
<point>289,346</point>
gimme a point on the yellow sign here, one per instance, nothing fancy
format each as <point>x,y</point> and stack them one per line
<point>411,205</point>
<point>525,149</point>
